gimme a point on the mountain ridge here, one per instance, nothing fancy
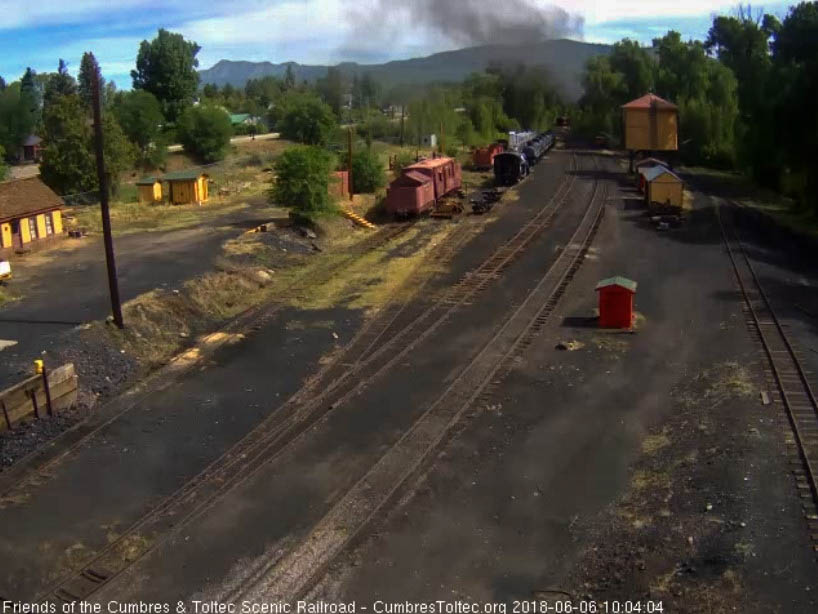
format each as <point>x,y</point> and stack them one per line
<point>564,59</point>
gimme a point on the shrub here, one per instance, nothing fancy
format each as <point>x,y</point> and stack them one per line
<point>205,132</point>
<point>306,119</point>
<point>302,182</point>
<point>367,172</point>
<point>403,159</point>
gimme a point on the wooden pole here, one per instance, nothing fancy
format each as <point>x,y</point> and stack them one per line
<point>6,414</point>
<point>47,392</point>
<point>113,283</point>
<point>349,160</point>
<point>402,119</point>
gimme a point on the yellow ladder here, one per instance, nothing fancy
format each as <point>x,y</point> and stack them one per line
<point>357,218</point>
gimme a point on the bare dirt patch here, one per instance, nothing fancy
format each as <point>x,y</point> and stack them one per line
<point>680,535</point>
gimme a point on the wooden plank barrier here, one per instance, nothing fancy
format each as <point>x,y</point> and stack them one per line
<point>28,398</point>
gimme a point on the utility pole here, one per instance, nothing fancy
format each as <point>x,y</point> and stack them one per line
<point>402,118</point>
<point>113,284</point>
<point>349,159</point>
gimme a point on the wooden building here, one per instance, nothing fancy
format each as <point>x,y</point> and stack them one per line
<point>616,302</point>
<point>30,214</point>
<point>187,187</point>
<point>31,148</point>
<point>651,124</point>
<point>663,187</point>
<point>150,190</point>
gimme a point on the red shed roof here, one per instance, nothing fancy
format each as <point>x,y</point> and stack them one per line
<point>649,100</point>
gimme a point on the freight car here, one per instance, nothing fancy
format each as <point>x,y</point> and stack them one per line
<point>484,156</point>
<point>537,147</point>
<point>420,185</point>
<point>517,140</point>
<point>510,167</point>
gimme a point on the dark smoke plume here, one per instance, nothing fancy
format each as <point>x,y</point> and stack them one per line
<point>466,22</point>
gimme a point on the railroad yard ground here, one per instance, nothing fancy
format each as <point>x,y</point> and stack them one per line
<point>637,466</point>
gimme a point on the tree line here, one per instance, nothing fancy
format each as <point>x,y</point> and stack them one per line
<point>746,94</point>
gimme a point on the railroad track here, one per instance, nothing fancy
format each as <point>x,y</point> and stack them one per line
<point>249,320</point>
<point>335,384</point>
<point>792,387</point>
<point>291,576</point>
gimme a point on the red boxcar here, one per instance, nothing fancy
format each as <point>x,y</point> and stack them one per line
<point>421,184</point>
<point>616,302</point>
<point>484,156</point>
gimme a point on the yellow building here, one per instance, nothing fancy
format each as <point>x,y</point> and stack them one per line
<point>663,187</point>
<point>651,124</point>
<point>186,187</point>
<point>30,214</point>
<point>150,190</point>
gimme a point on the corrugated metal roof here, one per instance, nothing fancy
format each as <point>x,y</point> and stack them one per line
<point>147,181</point>
<point>649,100</point>
<point>238,118</point>
<point>25,196</point>
<point>32,140</point>
<point>183,175</point>
<point>617,280</point>
<point>657,171</point>
<point>651,162</point>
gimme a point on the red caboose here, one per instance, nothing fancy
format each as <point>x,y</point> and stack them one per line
<point>421,184</point>
<point>616,302</point>
<point>484,156</point>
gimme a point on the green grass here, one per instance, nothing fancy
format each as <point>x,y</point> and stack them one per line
<point>742,190</point>
<point>127,218</point>
<point>6,296</point>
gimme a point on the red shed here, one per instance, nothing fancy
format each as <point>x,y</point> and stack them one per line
<point>339,186</point>
<point>616,302</point>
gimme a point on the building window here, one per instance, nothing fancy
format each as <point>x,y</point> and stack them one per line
<point>49,226</point>
<point>32,227</point>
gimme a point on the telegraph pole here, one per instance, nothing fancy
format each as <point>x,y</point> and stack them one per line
<point>113,284</point>
<point>349,164</point>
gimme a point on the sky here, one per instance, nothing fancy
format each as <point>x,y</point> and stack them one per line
<point>37,33</point>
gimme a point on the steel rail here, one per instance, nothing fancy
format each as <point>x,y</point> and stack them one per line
<point>290,576</point>
<point>272,436</point>
<point>775,362</point>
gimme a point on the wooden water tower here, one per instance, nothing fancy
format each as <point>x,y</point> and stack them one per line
<point>650,124</point>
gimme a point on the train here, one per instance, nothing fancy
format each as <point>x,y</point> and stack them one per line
<point>516,140</point>
<point>483,157</point>
<point>512,166</point>
<point>422,184</point>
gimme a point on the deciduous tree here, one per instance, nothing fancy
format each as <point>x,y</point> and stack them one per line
<point>166,67</point>
<point>205,132</point>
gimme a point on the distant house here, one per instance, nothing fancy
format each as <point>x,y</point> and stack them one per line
<point>30,214</point>
<point>30,150</point>
<point>239,118</point>
<point>150,190</point>
<point>187,187</point>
